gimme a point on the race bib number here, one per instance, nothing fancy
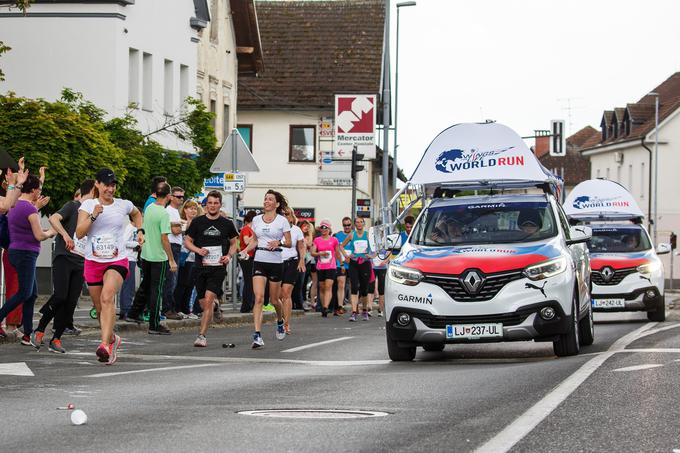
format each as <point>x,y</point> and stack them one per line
<point>213,256</point>
<point>79,245</point>
<point>361,246</point>
<point>325,257</point>
<point>105,246</point>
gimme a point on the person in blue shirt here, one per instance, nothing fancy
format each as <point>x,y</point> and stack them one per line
<point>406,232</point>
<point>155,181</point>
<point>341,272</point>
<point>357,245</point>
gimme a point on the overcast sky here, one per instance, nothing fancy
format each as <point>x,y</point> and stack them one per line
<point>523,62</point>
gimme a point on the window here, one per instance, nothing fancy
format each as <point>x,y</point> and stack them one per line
<point>169,82</point>
<point>302,144</point>
<point>133,76</point>
<point>630,178</point>
<point>147,81</point>
<point>246,132</point>
<point>213,110</point>
<point>183,83</point>
<point>225,122</point>
<point>642,180</point>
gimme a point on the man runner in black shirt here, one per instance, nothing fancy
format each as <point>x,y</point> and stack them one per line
<point>213,239</point>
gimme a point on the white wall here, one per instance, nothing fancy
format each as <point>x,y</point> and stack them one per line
<point>90,54</point>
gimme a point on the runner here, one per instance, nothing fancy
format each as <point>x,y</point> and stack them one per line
<point>103,220</point>
<point>244,237</point>
<point>213,239</point>
<point>341,273</point>
<point>271,232</point>
<point>323,249</point>
<point>308,230</point>
<point>359,267</point>
<point>293,265</point>
<point>67,271</point>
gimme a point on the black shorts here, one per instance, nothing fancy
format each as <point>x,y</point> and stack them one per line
<point>209,278</point>
<point>311,267</point>
<point>340,271</point>
<point>290,271</point>
<point>380,275</point>
<point>272,271</point>
<point>326,274</point>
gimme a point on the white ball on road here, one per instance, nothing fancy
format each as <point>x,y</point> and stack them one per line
<point>78,417</point>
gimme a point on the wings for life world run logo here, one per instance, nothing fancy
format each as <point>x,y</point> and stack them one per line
<point>457,159</point>
<point>588,202</point>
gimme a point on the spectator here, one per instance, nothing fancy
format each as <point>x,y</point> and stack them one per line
<point>170,305</point>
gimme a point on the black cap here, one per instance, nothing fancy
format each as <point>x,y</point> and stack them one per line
<point>106,176</point>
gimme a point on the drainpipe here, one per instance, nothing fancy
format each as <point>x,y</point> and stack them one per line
<point>649,198</point>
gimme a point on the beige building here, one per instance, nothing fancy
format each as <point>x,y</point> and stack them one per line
<point>228,48</point>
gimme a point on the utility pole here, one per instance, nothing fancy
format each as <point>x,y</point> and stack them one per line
<point>386,95</point>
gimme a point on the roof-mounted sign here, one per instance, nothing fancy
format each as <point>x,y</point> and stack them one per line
<point>601,199</point>
<point>473,153</point>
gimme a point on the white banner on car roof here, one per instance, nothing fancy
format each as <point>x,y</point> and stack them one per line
<point>601,199</point>
<point>475,152</point>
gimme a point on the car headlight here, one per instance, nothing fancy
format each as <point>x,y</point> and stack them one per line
<point>404,275</point>
<point>648,268</point>
<point>546,269</point>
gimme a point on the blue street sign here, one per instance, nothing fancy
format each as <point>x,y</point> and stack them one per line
<point>214,182</point>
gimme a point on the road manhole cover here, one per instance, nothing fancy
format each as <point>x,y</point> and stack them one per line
<point>314,413</point>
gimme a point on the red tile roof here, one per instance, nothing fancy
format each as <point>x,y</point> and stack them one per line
<point>313,50</point>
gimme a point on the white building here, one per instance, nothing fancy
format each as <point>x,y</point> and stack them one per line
<point>312,50</point>
<point>115,52</point>
<point>624,152</point>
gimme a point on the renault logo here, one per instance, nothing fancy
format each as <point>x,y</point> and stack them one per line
<point>607,273</point>
<point>472,282</point>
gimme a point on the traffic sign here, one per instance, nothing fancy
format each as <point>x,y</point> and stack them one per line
<point>234,177</point>
<point>214,182</point>
<point>234,186</point>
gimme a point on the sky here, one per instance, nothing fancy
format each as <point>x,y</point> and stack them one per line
<point>525,62</point>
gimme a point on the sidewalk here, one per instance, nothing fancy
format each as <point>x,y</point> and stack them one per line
<point>89,326</point>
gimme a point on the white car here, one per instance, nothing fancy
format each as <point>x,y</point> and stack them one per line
<point>487,269</point>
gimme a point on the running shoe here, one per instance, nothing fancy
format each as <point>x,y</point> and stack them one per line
<point>37,339</point>
<point>113,356</point>
<point>257,341</point>
<point>3,334</point>
<point>324,313</point>
<point>161,330</point>
<point>103,352</point>
<point>75,331</point>
<point>353,317</point>
<point>268,308</point>
<point>192,316</point>
<point>341,311</point>
<point>280,331</point>
<point>201,341</point>
<point>380,314</point>
<point>364,316</point>
<point>26,340</point>
<point>55,346</point>
<point>172,315</point>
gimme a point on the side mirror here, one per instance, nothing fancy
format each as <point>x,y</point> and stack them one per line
<point>579,234</point>
<point>663,248</point>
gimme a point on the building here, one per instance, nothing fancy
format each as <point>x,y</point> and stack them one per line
<point>229,48</point>
<point>573,168</point>
<point>312,51</point>
<point>623,151</point>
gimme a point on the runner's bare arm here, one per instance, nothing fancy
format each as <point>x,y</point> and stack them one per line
<point>55,220</point>
<point>285,243</point>
<point>302,250</point>
<point>137,220</point>
<point>189,244</point>
<point>83,225</point>
<point>232,251</point>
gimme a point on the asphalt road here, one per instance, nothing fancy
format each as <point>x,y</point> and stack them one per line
<point>620,394</point>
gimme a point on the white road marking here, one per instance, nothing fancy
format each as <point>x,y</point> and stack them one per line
<point>645,366</point>
<point>525,423</point>
<point>313,345</point>
<point>150,370</point>
<point>15,369</point>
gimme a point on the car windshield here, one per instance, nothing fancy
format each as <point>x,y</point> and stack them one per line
<point>619,240</point>
<point>485,223</point>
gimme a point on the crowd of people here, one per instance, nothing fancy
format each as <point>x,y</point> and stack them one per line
<point>182,249</point>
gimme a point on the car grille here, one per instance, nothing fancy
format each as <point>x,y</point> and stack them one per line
<point>619,275</point>
<point>508,319</point>
<point>453,285</point>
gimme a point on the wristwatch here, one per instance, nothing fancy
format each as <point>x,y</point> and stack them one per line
<point>92,218</point>
<point>19,186</point>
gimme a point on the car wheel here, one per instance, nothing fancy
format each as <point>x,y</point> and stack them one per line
<point>434,347</point>
<point>586,328</point>
<point>568,343</point>
<point>399,354</point>
<point>658,315</point>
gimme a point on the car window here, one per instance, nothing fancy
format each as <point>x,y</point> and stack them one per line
<point>485,223</point>
<point>619,240</point>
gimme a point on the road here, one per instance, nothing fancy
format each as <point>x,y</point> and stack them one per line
<point>620,394</point>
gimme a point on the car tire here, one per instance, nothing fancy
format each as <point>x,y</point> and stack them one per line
<point>399,354</point>
<point>658,315</point>
<point>434,347</point>
<point>568,343</point>
<point>586,328</point>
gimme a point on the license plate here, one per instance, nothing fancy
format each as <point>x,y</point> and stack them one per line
<point>474,331</point>
<point>609,303</point>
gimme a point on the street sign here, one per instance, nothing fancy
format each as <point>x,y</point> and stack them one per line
<point>364,208</point>
<point>234,186</point>
<point>214,182</point>
<point>557,139</point>
<point>355,116</point>
<point>224,161</point>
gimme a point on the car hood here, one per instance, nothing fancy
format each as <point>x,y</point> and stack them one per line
<point>488,259</point>
<point>620,260</point>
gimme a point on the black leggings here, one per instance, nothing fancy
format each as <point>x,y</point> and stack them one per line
<point>359,274</point>
<point>380,275</point>
<point>67,278</point>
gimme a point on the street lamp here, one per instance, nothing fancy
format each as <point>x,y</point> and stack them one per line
<point>395,169</point>
<point>656,163</point>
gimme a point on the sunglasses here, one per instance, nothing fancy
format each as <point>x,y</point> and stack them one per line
<point>181,197</point>
<point>323,227</point>
<point>347,225</point>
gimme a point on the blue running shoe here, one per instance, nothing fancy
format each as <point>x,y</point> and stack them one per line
<point>280,330</point>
